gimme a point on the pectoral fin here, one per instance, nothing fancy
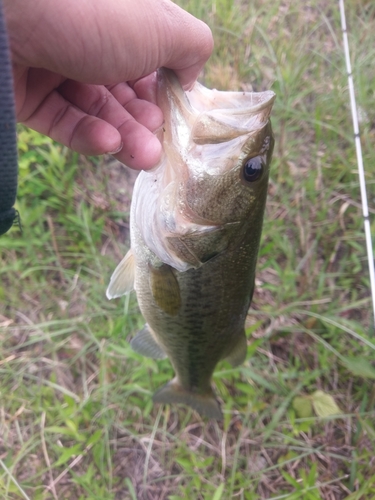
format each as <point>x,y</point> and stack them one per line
<point>238,354</point>
<point>165,289</point>
<point>144,343</point>
<point>122,280</point>
<point>205,404</point>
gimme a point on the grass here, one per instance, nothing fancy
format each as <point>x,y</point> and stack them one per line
<point>76,418</point>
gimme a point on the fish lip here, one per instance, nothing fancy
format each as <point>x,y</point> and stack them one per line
<point>208,95</point>
<point>269,99</point>
<point>235,102</point>
<point>265,104</point>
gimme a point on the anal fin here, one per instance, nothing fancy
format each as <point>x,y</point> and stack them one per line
<point>238,353</point>
<point>145,344</point>
<point>205,404</point>
<point>122,279</point>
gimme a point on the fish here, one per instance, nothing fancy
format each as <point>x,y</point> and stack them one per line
<point>195,228</point>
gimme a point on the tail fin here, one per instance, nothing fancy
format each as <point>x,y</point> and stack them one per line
<point>204,404</point>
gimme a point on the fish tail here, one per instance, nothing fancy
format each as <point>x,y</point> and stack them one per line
<point>205,404</point>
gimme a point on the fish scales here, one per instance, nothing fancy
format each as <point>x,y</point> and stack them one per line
<point>196,223</point>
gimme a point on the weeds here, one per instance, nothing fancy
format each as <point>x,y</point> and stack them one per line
<point>76,417</point>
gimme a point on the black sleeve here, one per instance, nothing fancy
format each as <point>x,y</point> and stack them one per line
<point>8,138</point>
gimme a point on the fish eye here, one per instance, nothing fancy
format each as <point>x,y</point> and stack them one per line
<point>253,169</point>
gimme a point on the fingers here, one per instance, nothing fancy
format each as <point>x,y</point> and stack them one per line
<point>141,149</point>
<point>141,107</point>
<point>90,120</point>
<point>134,119</point>
<point>116,104</point>
<point>65,123</point>
<point>145,87</point>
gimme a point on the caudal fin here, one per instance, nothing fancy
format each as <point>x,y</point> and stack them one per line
<point>205,404</point>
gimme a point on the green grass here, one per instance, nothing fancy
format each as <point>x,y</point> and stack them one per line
<point>76,417</point>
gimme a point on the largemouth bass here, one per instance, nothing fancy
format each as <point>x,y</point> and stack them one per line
<point>196,223</point>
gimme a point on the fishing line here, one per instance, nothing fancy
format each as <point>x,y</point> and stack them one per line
<point>358,147</point>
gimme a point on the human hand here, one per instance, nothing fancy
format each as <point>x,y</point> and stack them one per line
<point>83,71</point>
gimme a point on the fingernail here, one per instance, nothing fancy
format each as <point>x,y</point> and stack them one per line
<point>116,150</point>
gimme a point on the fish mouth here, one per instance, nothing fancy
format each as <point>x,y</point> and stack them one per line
<point>237,103</point>
<point>211,116</point>
<point>203,126</point>
<point>203,99</point>
<point>226,117</point>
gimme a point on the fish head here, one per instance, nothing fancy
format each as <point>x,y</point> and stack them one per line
<point>212,181</point>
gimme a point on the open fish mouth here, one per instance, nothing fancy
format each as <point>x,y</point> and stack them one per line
<point>204,126</point>
<point>227,115</point>
<point>205,116</point>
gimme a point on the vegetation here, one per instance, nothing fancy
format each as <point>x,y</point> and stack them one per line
<point>76,417</point>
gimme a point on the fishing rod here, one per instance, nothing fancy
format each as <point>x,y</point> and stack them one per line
<point>358,147</point>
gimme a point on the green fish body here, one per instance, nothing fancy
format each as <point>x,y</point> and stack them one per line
<point>196,223</point>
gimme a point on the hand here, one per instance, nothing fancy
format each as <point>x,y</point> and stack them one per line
<point>83,70</point>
